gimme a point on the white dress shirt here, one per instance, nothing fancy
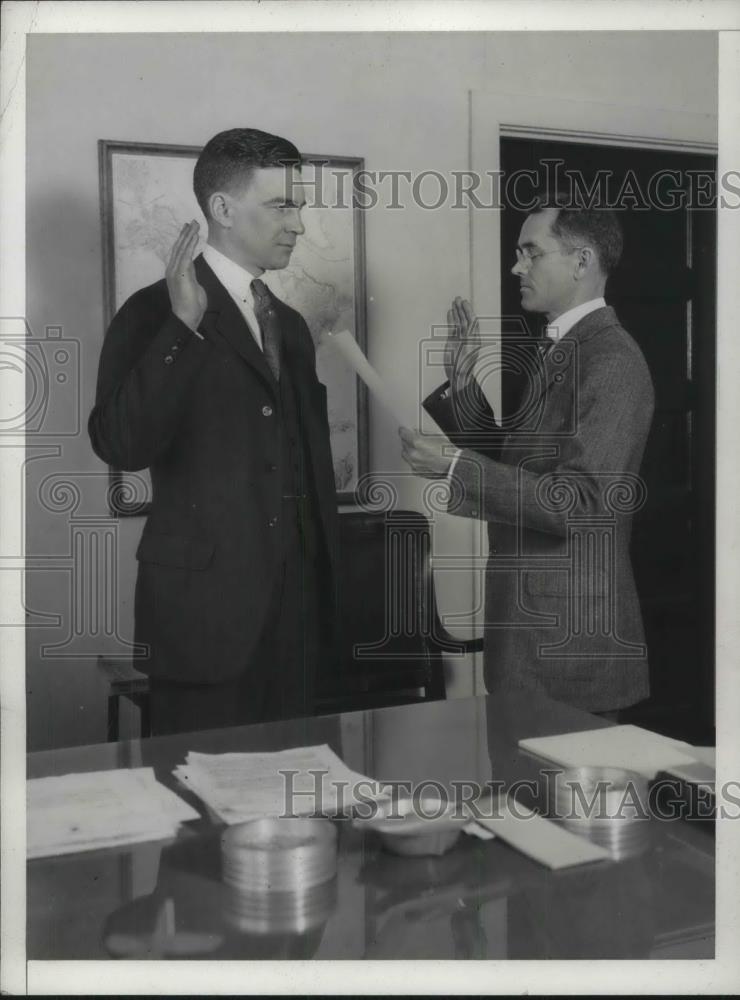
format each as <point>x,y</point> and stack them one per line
<point>565,322</point>
<point>236,280</point>
<point>555,331</point>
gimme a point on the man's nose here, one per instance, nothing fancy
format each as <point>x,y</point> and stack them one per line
<point>518,268</point>
<point>294,223</point>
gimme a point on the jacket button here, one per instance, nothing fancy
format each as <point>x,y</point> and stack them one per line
<point>169,359</point>
<point>270,467</point>
<point>175,347</point>
<point>474,513</point>
<point>272,522</point>
<point>266,411</point>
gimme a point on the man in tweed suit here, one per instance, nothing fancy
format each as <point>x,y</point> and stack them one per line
<point>558,483</point>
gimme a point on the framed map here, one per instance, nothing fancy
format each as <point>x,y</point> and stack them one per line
<point>146,194</point>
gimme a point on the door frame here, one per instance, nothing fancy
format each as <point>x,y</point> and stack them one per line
<point>493,116</point>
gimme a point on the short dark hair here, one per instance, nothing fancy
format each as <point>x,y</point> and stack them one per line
<point>229,159</point>
<point>575,222</point>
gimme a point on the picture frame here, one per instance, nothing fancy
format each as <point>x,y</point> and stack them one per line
<point>146,195</point>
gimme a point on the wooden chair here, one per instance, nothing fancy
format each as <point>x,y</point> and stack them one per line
<point>392,643</point>
<point>124,681</point>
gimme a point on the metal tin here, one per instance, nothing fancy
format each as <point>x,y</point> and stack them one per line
<point>279,854</point>
<point>608,805</point>
<point>280,912</point>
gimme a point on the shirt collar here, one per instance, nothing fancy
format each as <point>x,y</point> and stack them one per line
<point>235,278</point>
<point>567,320</point>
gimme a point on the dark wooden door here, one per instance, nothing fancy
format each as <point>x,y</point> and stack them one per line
<point>664,295</point>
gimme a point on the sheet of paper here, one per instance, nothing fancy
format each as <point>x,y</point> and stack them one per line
<point>302,781</point>
<point>346,345</point>
<point>628,747</point>
<point>705,755</point>
<point>540,838</point>
<point>75,812</point>
<point>475,829</point>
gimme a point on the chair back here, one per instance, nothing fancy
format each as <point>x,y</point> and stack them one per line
<point>391,641</point>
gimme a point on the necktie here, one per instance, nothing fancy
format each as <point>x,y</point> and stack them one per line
<point>545,347</point>
<point>269,325</point>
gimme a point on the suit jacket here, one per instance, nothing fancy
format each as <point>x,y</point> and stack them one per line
<point>202,416</point>
<point>558,487</point>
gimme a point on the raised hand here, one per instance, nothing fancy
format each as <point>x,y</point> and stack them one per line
<point>463,341</point>
<point>187,296</point>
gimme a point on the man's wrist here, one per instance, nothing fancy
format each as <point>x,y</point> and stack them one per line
<point>191,323</point>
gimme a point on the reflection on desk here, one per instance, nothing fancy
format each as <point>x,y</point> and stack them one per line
<point>480,900</point>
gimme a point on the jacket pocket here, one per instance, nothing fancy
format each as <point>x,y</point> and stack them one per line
<point>175,550</point>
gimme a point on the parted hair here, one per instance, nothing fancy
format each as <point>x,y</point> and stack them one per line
<point>228,160</point>
<point>577,222</point>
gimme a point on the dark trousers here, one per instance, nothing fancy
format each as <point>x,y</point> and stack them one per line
<point>279,680</point>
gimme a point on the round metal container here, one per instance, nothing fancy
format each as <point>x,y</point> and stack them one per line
<point>280,912</point>
<point>279,854</point>
<point>606,804</point>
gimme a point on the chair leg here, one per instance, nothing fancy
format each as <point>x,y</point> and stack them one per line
<point>146,725</point>
<point>112,718</point>
<point>435,689</point>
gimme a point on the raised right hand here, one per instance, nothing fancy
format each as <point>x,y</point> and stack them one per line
<point>463,342</point>
<point>187,296</point>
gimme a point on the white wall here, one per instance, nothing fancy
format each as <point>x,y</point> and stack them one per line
<point>400,101</point>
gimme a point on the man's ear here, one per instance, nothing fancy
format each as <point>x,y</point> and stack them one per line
<point>585,261</point>
<point>219,205</point>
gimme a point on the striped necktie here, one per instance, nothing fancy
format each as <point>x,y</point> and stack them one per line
<point>267,318</point>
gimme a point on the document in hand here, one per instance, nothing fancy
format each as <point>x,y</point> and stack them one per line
<point>347,347</point>
<point>84,812</point>
<point>304,781</point>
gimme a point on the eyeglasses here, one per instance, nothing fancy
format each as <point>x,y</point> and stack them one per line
<point>526,257</point>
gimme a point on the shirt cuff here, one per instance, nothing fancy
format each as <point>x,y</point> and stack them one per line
<point>453,463</point>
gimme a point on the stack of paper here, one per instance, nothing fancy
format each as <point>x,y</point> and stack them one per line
<point>305,781</point>
<point>83,812</point>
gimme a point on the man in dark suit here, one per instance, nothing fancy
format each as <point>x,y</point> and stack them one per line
<point>209,380</point>
<point>558,484</point>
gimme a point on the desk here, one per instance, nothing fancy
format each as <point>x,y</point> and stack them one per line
<point>481,900</point>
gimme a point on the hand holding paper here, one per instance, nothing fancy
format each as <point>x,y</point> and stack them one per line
<point>427,456</point>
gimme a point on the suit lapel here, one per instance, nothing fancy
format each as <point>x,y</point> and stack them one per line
<point>563,355</point>
<point>299,367</point>
<point>555,363</point>
<point>558,367</point>
<point>224,317</point>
